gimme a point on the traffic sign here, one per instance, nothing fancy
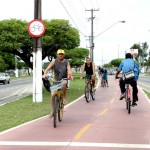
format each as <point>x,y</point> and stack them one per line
<point>36,28</point>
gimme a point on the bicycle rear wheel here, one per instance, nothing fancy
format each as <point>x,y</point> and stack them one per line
<point>129,106</point>
<point>55,106</point>
<point>60,109</point>
<point>126,100</point>
<point>87,93</point>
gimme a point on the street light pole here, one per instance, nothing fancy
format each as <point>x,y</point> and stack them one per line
<point>110,27</point>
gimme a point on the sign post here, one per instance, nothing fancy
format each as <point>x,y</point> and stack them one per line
<point>36,29</point>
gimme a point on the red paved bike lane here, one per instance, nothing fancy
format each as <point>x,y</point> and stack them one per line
<point>102,124</point>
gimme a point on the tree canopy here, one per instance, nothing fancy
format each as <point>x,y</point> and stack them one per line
<point>14,38</point>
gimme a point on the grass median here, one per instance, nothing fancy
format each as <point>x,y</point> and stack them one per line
<point>147,93</point>
<point>24,110</point>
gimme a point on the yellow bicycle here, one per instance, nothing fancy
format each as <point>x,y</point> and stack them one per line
<point>58,105</point>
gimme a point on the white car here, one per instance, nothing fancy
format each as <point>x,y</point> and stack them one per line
<point>4,78</point>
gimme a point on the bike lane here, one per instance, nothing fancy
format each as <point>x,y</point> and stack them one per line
<point>102,124</point>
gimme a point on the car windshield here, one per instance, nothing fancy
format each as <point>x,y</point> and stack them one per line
<point>2,74</point>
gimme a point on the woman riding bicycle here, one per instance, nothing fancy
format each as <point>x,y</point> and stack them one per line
<point>89,68</point>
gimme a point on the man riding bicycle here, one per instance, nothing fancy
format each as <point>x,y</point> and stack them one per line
<point>61,69</point>
<point>89,68</point>
<point>127,65</point>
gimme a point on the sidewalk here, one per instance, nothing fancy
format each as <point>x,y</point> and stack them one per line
<point>103,123</point>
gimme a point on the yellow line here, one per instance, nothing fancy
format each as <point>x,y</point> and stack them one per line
<point>104,111</point>
<point>112,100</point>
<point>82,131</point>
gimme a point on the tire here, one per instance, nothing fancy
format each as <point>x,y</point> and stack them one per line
<point>60,109</point>
<point>87,93</point>
<point>126,99</point>
<point>8,81</point>
<point>4,82</point>
<point>129,106</point>
<point>92,93</point>
<point>55,104</point>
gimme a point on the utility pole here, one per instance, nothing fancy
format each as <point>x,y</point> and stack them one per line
<point>92,37</point>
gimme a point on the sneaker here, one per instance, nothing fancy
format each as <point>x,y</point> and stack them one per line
<point>94,89</point>
<point>134,104</point>
<point>122,96</point>
<point>51,115</point>
<point>64,101</point>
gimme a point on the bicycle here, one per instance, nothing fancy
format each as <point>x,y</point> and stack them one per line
<point>128,97</point>
<point>58,105</point>
<point>89,93</point>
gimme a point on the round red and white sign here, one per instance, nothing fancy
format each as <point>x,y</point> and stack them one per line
<point>36,28</point>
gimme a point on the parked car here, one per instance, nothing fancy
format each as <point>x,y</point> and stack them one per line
<point>4,78</point>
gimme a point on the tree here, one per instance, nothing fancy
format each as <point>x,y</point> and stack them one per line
<point>2,64</point>
<point>77,56</point>
<point>14,38</point>
<point>142,50</point>
<point>116,62</point>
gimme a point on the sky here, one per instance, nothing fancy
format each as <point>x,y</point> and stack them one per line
<point>114,37</point>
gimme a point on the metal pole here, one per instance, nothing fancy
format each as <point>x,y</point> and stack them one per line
<point>92,57</point>
<point>91,43</point>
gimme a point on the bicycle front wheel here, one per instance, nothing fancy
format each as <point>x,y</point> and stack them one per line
<point>60,109</point>
<point>87,93</point>
<point>92,93</point>
<point>55,106</point>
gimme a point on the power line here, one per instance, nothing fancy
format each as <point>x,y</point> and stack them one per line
<point>82,4</point>
<point>71,18</point>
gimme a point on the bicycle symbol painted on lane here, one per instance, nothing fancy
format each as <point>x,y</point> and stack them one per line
<point>36,28</point>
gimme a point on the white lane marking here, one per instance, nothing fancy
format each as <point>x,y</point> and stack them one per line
<point>74,144</point>
<point>15,92</point>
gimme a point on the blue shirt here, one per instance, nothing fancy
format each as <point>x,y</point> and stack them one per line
<point>129,65</point>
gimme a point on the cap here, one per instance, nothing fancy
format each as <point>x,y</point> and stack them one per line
<point>60,51</point>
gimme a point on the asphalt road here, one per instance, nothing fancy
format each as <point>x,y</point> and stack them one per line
<point>15,90</point>
<point>144,82</point>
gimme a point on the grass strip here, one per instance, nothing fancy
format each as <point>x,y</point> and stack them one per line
<point>147,93</point>
<point>24,110</point>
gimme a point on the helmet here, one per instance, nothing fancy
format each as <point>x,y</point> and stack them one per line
<point>60,51</point>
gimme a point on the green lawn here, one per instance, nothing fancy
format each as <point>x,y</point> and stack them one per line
<point>147,93</point>
<point>24,110</point>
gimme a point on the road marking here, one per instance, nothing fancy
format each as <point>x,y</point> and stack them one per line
<point>104,111</point>
<point>20,90</point>
<point>82,131</point>
<point>74,144</point>
<point>112,100</point>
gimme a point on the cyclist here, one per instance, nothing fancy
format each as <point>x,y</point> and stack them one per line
<point>62,69</point>
<point>89,68</point>
<point>127,65</point>
<point>105,77</point>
